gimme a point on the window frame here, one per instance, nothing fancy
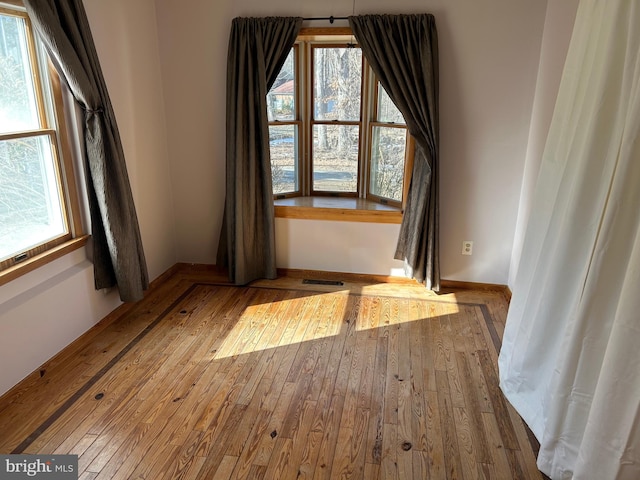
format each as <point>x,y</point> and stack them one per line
<point>408,150</point>
<point>313,37</point>
<point>50,106</point>
<point>311,120</point>
<point>297,123</point>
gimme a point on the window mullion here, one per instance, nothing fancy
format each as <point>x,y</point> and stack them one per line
<point>336,122</point>
<point>307,92</point>
<point>387,124</point>
<point>368,110</point>
<point>27,134</point>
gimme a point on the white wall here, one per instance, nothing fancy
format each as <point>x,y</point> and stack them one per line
<point>489,56</point>
<point>193,36</point>
<point>337,246</point>
<point>45,310</point>
<point>558,27</point>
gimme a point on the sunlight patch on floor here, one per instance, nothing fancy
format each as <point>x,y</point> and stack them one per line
<point>286,322</point>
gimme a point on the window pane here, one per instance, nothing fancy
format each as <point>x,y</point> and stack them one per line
<point>281,99</point>
<point>335,158</point>
<point>283,143</point>
<point>337,81</point>
<point>387,162</point>
<point>387,110</point>
<point>18,110</point>
<point>30,204</point>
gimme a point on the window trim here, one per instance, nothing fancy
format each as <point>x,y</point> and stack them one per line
<point>342,209</point>
<point>52,120</point>
<point>68,170</point>
<point>337,36</point>
<point>37,261</point>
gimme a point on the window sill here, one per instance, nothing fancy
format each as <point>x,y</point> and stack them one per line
<point>343,209</point>
<point>37,261</point>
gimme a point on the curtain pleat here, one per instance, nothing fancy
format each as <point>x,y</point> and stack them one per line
<point>258,47</point>
<point>118,256</point>
<point>403,53</point>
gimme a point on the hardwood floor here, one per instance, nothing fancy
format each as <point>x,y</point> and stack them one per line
<point>279,380</point>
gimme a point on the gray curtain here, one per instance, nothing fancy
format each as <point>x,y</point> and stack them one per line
<point>118,256</point>
<point>403,52</point>
<point>258,48</point>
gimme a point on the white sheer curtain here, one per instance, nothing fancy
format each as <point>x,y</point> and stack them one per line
<point>570,361</point>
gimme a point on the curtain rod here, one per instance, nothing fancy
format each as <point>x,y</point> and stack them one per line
<point>331,18</point>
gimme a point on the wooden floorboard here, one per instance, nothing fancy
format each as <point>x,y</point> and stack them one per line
<point>279,380</point>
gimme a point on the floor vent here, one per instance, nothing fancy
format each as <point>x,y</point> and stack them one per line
<point>313,281</point>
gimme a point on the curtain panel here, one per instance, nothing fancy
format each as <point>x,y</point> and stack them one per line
<point>403,53</point>
<point>118,256</point>
<point>570,362</point>
<point>258,47</point>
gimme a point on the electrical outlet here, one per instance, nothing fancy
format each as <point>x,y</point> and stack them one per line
<point>467,247</point>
